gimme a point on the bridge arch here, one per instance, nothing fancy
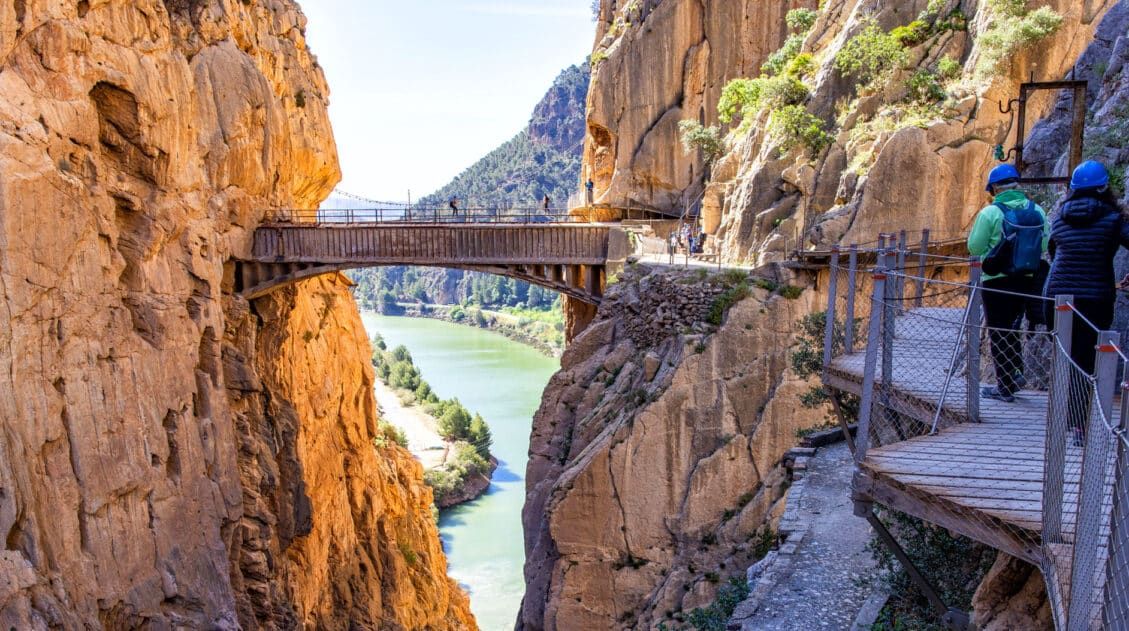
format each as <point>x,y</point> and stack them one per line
<point>572,259</point>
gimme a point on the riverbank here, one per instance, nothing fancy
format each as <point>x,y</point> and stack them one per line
<point>503,380</point>
<point>540,335</point>
<point>452,446</point>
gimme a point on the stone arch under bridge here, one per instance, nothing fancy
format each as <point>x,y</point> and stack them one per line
<point>569,258</point>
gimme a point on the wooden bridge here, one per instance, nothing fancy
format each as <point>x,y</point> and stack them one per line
<point>1040,478</point>
<point>537,246</point>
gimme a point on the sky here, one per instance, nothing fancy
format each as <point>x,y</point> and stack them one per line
<point>420,89</point>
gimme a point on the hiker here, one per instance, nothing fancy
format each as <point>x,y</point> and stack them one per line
<point>1086,233</point>
<point>672,246</point>
<point>588,188</point>
<point>453,203</point>
<point>1009,235</point>
<point>545,204</point>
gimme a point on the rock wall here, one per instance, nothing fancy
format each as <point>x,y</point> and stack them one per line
<point>173,457</point>
<point>671,59</point>
<point>654,455</point>
<point>656,63</point>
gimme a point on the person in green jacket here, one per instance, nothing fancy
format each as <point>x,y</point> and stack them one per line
<point>1003,308</point>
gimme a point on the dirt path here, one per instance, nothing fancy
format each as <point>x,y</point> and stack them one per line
<point>423,438</point>
<point>825,584</point>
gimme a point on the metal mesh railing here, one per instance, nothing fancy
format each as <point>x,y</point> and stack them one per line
<point>1001,406</point>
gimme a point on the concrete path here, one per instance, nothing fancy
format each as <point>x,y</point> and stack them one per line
<point>825,584</point>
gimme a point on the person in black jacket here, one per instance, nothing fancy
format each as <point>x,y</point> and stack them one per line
<point>1086,234</point>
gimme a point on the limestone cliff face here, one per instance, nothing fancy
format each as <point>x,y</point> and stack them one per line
<point>654,454</point>
<point>884,170</point>
<point>656,63</point>
<point>170,456</point>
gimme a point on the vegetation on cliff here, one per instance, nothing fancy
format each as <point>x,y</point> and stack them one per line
<point>954,564</point>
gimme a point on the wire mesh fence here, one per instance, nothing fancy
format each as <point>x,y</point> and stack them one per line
<point>1002,408</point>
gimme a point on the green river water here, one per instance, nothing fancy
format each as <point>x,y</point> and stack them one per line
<point>503,381</point>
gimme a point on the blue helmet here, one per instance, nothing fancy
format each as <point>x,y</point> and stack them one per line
<point>1001,174</point>
<point>1089,174</point>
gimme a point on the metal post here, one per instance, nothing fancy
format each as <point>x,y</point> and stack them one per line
<point>874,331</point>
<point>829,316</point>
<point>899,294</point>
<point>951,618</point>
<point>972,342</point>
<point>1091,493</point>
<point>888,328</point>
<point>849,319</point>
<point>921,262</point>
<point>1115,610</point>
<point>1058,406</point>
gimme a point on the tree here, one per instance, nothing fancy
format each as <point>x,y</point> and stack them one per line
<point>480,436</point>
<point>455,421</point>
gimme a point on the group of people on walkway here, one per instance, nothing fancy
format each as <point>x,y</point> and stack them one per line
<point>1012,235</point>
<point>689,238</point>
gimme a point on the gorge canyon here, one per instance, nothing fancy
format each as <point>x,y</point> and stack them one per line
<point>175,456</point>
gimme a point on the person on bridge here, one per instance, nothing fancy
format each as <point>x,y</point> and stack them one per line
<point>454,204</point>
<point>1086,233</point>
<point>589,186</point>
<point>545,203</point>
<point>1010,236</point>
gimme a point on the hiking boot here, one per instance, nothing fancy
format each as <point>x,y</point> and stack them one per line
<point>994,393</point>
<point>1020,381</point>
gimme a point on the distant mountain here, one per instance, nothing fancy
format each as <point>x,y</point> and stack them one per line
<point>542,158</point>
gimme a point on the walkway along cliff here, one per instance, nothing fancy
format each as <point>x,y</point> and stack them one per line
<point>173,455</point>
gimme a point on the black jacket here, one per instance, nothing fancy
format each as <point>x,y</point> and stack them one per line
<point>1085,235</point>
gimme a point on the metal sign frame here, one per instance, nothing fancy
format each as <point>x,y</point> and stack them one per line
<point>1078,126</point>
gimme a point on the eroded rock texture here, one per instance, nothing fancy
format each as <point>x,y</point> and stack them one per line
<point>654,454</point>
<point>887,168</point>
<point>169,455</point>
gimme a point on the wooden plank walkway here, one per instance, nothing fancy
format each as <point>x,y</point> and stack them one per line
<point>982,479</point>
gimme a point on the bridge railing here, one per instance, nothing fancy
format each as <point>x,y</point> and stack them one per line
<point>913,323</point>
<point>428,214</point>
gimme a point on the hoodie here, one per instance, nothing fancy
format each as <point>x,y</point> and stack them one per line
<point>1085,236</point>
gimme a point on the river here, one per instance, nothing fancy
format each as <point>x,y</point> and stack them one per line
<point>503,381</point>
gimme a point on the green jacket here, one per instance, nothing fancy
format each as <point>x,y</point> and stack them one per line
<point>987,230</point>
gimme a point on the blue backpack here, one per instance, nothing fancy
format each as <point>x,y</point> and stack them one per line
<point>1021,249</point>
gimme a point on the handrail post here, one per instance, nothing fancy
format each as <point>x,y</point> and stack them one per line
<point>889,325</point>
<point>922,261</point>
<point>1118,617</point>
<point>972,342</point>
<point>1091,492</point>
<point>900,289</point>
<point>870,364</point>
<point>829,315</point>
<point>849,319</point>
<point>1058,406</point>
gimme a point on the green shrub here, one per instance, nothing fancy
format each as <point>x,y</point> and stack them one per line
<point>925,87</point>
<point>725,301</point>
<point>480,436</point>
<point>801,19</point>
<point>739,97</point>
<point>454,422</point>
<point>698,137</point>
<point>409,555</point>
<point>872,55</point>
<point>949,68</point>
<point>911,34</point>
<point>1013,27</point>
<point>778,61</point>
<point>791,292</point>
<point>793,126</point>
<point>801,66</point>
<point>715,617</point>
<point>597,57</point>
<point>955,566</point>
